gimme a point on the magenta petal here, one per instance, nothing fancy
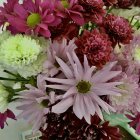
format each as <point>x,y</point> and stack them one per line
<point>77,17</point>
<point>19,10</point>
<point>43,30</point>
<point>10,115</point>
<point>2,119</point>
<point>138,129</point>
<point>49,18</point>
<point>18,23</point>
<point>29,5</point>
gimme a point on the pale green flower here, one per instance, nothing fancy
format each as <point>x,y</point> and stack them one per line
<point>3,99</point>
<point>34,68</point>
<point>19,51</point>
<point>24,54</point>
<point>136,54</point>
<point>126,13</point>
<point>4,35</point>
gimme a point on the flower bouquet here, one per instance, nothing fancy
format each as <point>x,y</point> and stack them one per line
<point>72,67</point>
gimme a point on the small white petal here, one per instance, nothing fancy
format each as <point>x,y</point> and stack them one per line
<point>100,102</point>
<point>65,68</point>
<point>61,87</point>
<point>62,81</point>
<point>70,92</point>
<point>76,107</point>
<point>98,111</point>
<point>63,105</point>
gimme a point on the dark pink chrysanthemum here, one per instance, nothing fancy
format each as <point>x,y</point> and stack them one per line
<point>70,9</point>
<point>93,10</point>
<point>64,30</point>
<point>4,116</point>
<point>118,29</point>
<point>110,2</point>
<point>125,4</point>
<point>34,16</point>
<point>96,46</point>
<point>7,9</point>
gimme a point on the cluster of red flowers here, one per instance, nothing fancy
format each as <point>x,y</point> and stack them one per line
<point>63,18</point>
<point>67,126</point>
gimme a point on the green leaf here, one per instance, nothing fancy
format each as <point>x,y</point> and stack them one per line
<point>116,119</point>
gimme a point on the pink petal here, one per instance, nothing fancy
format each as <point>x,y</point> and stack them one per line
<point>63,105</point>
<point>76,106</point>
<point>19,10</point>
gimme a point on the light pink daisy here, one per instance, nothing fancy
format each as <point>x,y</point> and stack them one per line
<point>59,49</point>
<point>127,100</point>
<point>36,103</point>
<point>84,87</point>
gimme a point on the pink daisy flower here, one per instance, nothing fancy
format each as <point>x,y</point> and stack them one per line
<point>36,103</point>
<point>126,102</point>
<point>84,87</point>
<point>59,49</point>
<point>34,16</point>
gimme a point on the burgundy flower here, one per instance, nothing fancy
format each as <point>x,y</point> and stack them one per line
<point>110,2</point>
<point>118,29</point>
<point>96,46</point>
<point>65,30</point>
<point>7,9</point>
<point>135,123</point>
<point>70,9</point>
<point>68,126</point>
<point>33,16</point>
<point>125,4</point>
<point>137,3</point>
<point>4,116</point>
<point>93,10</point>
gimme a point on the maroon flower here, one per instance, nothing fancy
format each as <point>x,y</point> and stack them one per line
<point>93,10</point>
<point>137,3</point>
<point>4,116</point>
<point>96,46</point>
<point>65,30</point>
<point>110,2</point>
<point>70,9</point>
<point>118,29</point>
<point>125,4</point>
<point>68,126</point>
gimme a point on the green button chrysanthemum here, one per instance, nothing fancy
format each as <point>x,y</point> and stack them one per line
<point>19,51</point>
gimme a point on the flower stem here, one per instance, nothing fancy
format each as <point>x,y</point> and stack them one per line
<point>10,73</point>
<point>131,131</point>
<point>8,79</point>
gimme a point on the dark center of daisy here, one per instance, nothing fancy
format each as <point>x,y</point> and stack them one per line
<point>33,19</point>
<point>45,103</point>
<point>83,87</point>
<point>65,3</point>
<point>56,64</point>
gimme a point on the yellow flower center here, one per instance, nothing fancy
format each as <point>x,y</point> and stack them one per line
<point>33,19</point>
<point>65,3</point>
<point>83,87</point>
